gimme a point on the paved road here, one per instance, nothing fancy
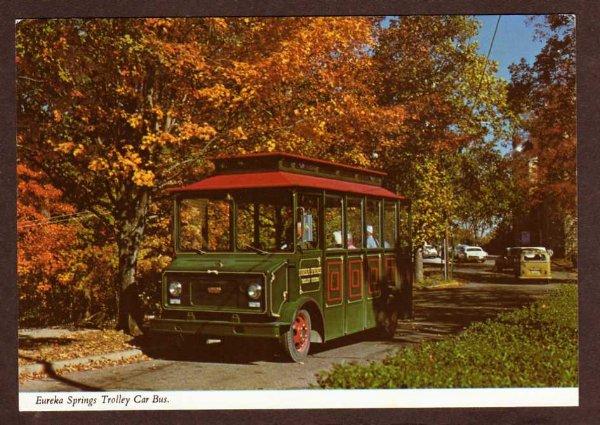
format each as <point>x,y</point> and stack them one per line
<point>438,314</point>
<point>482,272</point>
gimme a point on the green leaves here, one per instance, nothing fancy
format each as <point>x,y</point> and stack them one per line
<point>536,346</point>
<point>430,66</point>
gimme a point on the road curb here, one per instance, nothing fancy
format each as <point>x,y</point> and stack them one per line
<point>42,367</point>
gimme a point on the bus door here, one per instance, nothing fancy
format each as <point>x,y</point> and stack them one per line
<point>334,269</point>
<point>355,275</point>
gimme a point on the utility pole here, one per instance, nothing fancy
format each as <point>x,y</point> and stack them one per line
<point>446,253</point>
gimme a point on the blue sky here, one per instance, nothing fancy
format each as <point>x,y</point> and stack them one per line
<point>514,40</point>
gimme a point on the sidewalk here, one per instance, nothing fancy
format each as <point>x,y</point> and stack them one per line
<point>44,351</point>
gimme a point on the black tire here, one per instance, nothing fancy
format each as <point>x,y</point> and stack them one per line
<point>296,341</point>
<point>387,322</point>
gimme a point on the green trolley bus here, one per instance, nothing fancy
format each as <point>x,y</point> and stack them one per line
<point>285,247</point>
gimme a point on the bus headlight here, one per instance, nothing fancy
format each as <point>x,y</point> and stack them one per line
<point>254,290</point>
<point>175,289</point>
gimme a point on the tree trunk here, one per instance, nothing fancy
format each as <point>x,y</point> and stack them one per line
<point>129,237</point>
<point>419,265</point>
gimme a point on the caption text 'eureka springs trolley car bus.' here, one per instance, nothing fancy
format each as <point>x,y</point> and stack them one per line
<point>285,247</point>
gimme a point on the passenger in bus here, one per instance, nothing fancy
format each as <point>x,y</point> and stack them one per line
<point>371,241</point>
<point>337,239</point>
<point>288,239</point>
<point>350,241</point>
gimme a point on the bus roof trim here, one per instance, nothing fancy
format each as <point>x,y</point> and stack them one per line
<point>282,179</point>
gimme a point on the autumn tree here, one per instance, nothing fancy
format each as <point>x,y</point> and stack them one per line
<point>308,89</point>
<point>108,110</point>
<point>455,110</point>
<point>115,110</point>
<point>543,95</point>
<point>60,266</point>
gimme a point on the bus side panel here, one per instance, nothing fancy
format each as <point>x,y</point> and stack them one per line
<point>333,297</point>
<point>355,315</point>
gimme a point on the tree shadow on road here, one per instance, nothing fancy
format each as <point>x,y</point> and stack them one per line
<point>440,313</point>
<point>52,374</point>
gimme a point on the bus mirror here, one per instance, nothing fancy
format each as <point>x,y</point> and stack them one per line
<point>307,228</point>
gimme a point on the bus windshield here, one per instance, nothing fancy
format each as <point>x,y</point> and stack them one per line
<point>264,222</point>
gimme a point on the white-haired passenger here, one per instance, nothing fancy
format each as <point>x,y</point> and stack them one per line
<point>372,242</point>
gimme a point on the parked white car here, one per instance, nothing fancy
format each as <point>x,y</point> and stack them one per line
<point>471,253</point>
<point>429,251</point>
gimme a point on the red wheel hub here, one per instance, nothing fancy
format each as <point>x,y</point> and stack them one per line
<point>301,332</point>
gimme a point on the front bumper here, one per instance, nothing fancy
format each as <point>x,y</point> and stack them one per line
<point>218,328</point>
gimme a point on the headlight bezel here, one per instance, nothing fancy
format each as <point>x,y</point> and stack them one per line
<point>254,291</point>
<point>175,289</point>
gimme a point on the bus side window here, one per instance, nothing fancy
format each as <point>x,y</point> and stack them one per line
<point>307,221</point>
<point>333,222</point>
<point>354,225</point>
<point>389,227</point>
<point>372,230</point>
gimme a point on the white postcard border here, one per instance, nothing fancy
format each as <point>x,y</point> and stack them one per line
<point>297,399</point>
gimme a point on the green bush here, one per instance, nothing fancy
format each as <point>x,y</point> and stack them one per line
<point>534,346</point>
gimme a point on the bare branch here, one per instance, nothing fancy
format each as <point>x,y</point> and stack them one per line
<point>23,77</point>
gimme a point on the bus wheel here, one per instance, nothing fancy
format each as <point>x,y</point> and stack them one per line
<point>296,341</point>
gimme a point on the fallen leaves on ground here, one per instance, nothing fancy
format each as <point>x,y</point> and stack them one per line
<point>73,345</point>
<point>92,364</point>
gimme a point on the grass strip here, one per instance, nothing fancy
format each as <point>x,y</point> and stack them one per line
<point>536,346</point>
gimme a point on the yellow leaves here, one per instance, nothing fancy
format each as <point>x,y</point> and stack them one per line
<point>70,147</point>
<point>220,24</point>
<point>65,277</point>
<point>135,120</point>
<point>191,130</point>
<point>98,164</point>
<point>158,112</point>
<point>149,140</point>
<point>143,178</point>
<point>238,133</point>
<point>56,115</point>
<point>80,149</point>
<point>131,160</point>
<point>64,147</point>
<point>216,94</point>
<point>125,91</point>
<point>271,145</point>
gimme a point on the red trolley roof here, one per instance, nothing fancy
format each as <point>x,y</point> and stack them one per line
<point>283,179</point>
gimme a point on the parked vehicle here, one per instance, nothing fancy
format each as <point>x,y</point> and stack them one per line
<point>429,251</point>
<point>283,247</point>
<point>471,253</point>
<point>526,262</point>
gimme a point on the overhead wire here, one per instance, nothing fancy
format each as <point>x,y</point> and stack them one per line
<point>487,58</point>
<point>51,220</point>
<point>54,217</point>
